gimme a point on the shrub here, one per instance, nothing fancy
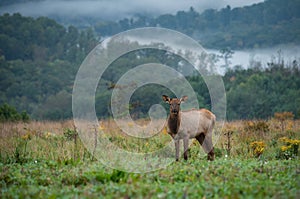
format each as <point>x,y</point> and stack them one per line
<point>282,118</point>
<point>9,113</point>
<point>257,126</point>
<point>258,148</point>
<point>70,134</point>
<point>289,148</point>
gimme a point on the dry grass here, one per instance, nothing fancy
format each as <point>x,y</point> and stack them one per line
<point>12,129</point>
<point>46,140</point>
<point>243,133</point>
<point>37,140</point>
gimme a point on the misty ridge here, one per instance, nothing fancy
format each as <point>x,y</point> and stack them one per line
<point>215,24</point>
<point>218,24</point>
<point>111,10</point>
<point>255,30</point>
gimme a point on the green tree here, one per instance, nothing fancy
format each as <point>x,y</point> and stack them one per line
<point>9,113</point>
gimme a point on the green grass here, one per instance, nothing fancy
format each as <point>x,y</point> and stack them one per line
<point>45,160</point>
<point>232,178</point>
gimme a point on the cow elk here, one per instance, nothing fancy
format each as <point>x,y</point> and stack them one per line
<point>195,123</point>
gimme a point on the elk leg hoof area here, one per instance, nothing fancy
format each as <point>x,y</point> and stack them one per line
<point>185,156</point>
<point>211,155</point>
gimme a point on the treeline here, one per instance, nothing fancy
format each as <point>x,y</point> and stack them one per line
<point>265,24</point>
<point>258,93</point>
<point>253,93</point>
<point>39,60</point>
<point>42,39</point>
<point>10,114</point>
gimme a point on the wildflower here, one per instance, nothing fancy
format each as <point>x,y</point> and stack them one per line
<point>258,147</point>
<point>257,144</point>
<point>164,131</point>
<point>285,148</point>
<point>101,127</point>
<point>27,136</point>
<point>289,148</point>
<point>289,141</point>
<point>48,135</point>
<point>283,139</point>
<point>294,142</point>
<point>259,150</point>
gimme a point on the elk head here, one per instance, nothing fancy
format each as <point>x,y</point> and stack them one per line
<point>174,103</point>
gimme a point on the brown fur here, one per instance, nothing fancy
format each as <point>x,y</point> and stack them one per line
<point>173,124</point>
<point>207,113</point>
<point>204,137</point>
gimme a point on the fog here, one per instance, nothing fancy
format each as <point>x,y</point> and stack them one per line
<point>263,56</point>
<point>119,9</point>
<point>116,9</point>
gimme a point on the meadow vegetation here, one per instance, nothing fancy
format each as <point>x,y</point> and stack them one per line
<point>255,158</point>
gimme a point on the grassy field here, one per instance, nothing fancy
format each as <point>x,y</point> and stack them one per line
<point>254,159</point>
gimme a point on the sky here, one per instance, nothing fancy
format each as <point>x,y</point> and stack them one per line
<point>117,9</point>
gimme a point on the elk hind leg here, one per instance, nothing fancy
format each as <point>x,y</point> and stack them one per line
<point>200,138</point>
<point>206,143</point>
<point>209,148</point>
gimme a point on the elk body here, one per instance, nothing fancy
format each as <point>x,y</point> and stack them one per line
<point>186,125</point>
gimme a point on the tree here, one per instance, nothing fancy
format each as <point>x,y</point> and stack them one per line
<point>226,55</point>
<point>9,113</point>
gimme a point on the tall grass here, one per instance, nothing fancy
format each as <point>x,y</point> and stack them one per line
<point>58,141</point>
<point>46,140</point>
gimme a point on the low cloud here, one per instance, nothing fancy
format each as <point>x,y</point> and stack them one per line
<point>116,9</point>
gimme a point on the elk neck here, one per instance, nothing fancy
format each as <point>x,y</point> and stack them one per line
<point>174,122</point>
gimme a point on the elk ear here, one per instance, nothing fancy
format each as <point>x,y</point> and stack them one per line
<point>184,98</point>
<point>166,98</point>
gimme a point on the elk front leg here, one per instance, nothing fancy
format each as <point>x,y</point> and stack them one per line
<point>177,149</point>
<point>185,148</point>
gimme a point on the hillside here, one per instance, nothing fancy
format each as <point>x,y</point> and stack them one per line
<point>39,59</point>
<point>266,24</point>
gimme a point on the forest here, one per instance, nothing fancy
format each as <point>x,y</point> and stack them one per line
<point>265,24</point>
<point>39,59</point>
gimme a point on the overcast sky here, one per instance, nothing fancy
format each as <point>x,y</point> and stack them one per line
<point>117,9</point>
